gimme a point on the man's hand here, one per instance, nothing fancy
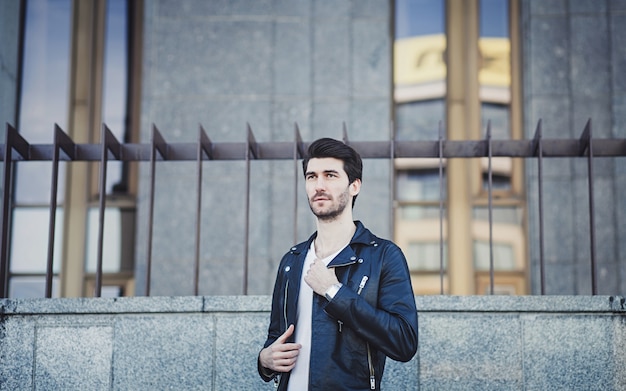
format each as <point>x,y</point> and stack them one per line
<point>320,278</point>
<point>280,356</point>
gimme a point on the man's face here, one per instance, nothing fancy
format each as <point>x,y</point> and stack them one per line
<point>328,189</point>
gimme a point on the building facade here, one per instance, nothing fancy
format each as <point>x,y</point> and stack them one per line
<point>376,70</point>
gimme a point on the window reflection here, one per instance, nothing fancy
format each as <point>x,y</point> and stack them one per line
<point>508,238</point>
<point>44,98</point>
<point>44,102</point>
<point>419,68</point>
<point>29,246</point>
<point>31,287</point>
<point>115,80</point>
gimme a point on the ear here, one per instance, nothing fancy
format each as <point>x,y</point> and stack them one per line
<point>355,187</point>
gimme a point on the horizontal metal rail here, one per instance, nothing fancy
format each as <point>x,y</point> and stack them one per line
<point>368,150</point>
<point>17,149</point>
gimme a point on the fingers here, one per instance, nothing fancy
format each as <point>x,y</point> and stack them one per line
<point>281,356</point>
<point>319,277</point>
<point>284,360</point>
<point>283,338</point>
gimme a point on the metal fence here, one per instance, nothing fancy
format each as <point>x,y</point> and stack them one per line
<point>64,149</point>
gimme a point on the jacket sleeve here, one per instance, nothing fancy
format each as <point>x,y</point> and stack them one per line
<point>391,326</point>
<point>274,329</point>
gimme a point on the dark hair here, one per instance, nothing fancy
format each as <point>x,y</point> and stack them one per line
<point>331,148</point>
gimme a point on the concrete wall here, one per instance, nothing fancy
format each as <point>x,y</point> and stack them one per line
<point>574,69</point>
<point>269,63</point>
<point>211,343</point>
<point>9,32</point>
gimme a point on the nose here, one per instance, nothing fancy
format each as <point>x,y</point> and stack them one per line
<point>320,183</point>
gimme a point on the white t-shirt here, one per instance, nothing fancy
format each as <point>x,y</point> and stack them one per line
<point>299,378</point>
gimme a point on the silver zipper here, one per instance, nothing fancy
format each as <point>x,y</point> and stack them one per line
<point>369,353</point>
<point>277,378</point>
<point>362,284</point>
<point>369,362</point>
<point>285,305</point>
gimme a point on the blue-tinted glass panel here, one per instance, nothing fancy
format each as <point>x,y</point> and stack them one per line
<point>45,75</point>
<point>111,256</point>
<point>115,80</point>
<point>498,116</point>
<point>494,18</point>
<point>419,185</point>
<point>31,287</point>
<point>426,256</point>
<point>29,240</point>
<point>419,17</point>
<point>420,120</point>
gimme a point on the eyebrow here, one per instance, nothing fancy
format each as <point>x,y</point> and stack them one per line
<point>324,172</point>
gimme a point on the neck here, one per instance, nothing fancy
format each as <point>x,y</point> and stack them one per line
<point>333,235</point>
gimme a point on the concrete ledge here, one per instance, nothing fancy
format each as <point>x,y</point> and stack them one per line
<point>183,304</point>
<point>211,343</point>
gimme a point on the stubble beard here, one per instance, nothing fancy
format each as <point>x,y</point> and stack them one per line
<point>333,211</point>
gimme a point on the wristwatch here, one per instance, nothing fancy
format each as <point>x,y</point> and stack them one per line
<point>332,291</point>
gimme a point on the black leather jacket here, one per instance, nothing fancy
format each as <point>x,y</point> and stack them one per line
<point>372,316</point>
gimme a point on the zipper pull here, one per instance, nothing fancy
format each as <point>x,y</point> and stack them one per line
<point>362,284</point>
<point>340,323</point>
<point>372,383</point>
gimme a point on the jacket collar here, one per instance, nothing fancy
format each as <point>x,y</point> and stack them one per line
<point>347,256</point>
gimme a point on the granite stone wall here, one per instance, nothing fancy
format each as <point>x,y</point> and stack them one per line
<point>211,343</point>
<point>574,69</point>
<point>271,64</point>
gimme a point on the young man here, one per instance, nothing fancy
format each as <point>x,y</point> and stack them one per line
<point>342,300</point>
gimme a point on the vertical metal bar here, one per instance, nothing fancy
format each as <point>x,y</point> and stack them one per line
<point>158,145</point>
<point>539,149</point>
<point>53,210</point>
<point>441,189</point>
<point>109,143</point>
<point>297,151</point>
<point>250,150</point>
<point>392,176</point>
<point>204,146</point>
<point>490,194</point>
<point>101,210</point>
<point>196,271</point>
<point>588,140</point>
<point>6,206</point>
<point>13,141</point>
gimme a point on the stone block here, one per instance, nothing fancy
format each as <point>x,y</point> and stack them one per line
<point>587,6</point>
<point>292,61</point>
<point>332,72</point>
<point>568,352</point>
<point>164,352</point>
<point>371,73</point>
<point>547,7</point>
<point>446,362</point>
<point>73,356</point>
<point>590,60</point>
<point>548,50</point>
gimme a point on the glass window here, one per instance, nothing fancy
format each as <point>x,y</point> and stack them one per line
<point>419,69</point>
<point>30,287</point>
<point>115,80</point>
<point>111,249</point>
<point>426,256</point>
<point>419,185</point>
<point>503,256</point>
<point>29,241</point>
<point>44,91</point>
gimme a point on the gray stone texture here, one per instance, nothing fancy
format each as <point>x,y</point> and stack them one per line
<point>268,64</point>
<point>573,62</point>
<point>9,28</point>
<point>211,343</point>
